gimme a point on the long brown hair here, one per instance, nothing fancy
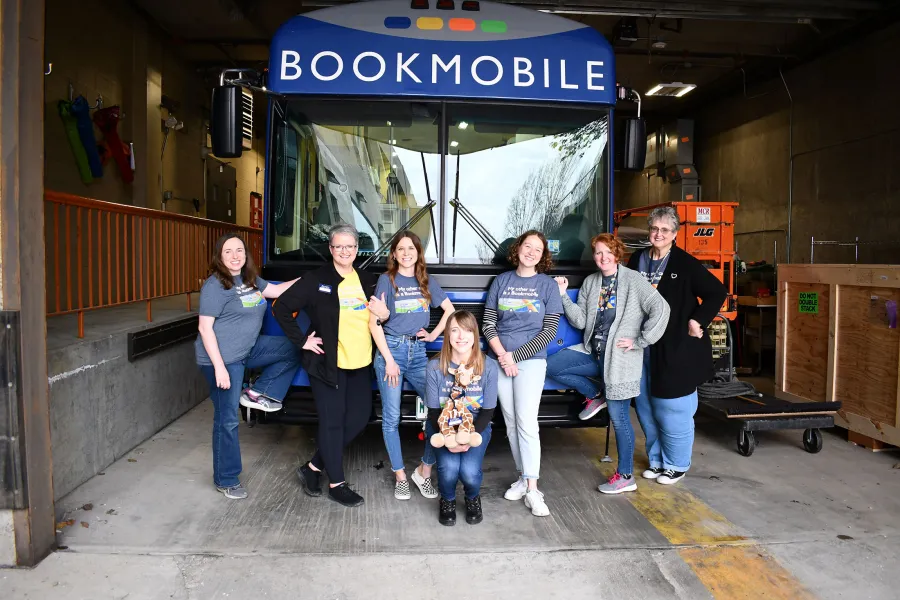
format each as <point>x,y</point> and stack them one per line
<point>218,268</point>
<point>545,264</point>
<point>467,321</point>
<point>421,272</point>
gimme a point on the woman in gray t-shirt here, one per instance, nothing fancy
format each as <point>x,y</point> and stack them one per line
<point>232,307</point>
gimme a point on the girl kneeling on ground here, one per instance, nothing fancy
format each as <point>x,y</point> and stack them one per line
<point>616,305</point>
<point>462,462</point>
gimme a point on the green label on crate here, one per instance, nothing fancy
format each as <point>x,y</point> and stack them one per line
<point>809,303</point>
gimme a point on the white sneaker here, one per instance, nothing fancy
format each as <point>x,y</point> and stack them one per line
<point>535,501</point>
<point>652,473</point>
<point>517,490</point>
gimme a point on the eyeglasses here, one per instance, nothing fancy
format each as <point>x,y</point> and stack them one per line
<point>662,230</point>
<point>343,248</point>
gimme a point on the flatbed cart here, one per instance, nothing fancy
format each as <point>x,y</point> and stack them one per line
<point>762,412</point>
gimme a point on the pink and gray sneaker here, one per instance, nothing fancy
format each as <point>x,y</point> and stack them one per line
<point>618,484</point>
<point>591,407</point>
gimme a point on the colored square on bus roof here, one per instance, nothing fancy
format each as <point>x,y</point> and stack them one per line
<point>493,26</point>
<point>460,24</point>
<point>432,23</point>
<point>397,22</point>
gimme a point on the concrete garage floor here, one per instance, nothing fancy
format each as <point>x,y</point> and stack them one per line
<point>780,524</point>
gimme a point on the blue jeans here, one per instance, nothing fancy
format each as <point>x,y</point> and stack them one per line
<point>573,368</point>
<point>411,359</point>
<point>668,425</point>
<point>621,420</point>
<point>462,466</point>
<point>277,356</point>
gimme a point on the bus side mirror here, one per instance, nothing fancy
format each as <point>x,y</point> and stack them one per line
<point>632,144</point>
<point>225,123</point>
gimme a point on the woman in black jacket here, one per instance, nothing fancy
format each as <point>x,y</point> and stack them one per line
<point>682,359</point>
<point>338,360</point>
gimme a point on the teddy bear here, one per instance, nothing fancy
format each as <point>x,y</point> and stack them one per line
<point>455,422</point>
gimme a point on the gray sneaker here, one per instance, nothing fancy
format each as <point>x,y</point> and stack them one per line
<point>592,407</point>
<point>260,403</point>
<point>618,484</point>
<point>235,492</point>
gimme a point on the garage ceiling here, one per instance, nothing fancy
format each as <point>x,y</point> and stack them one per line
<point>715,44</point>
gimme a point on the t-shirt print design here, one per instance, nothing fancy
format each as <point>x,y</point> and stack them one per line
<point>519,299</point>
<point>250,297</point>
<point>352,297</point>
<point>408,299</point>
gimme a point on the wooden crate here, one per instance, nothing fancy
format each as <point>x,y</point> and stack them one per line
<point>837,344</point>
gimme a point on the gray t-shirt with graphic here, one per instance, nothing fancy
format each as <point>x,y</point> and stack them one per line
<point>238,315</point>
<point>521,303</point>
<point>410,311</point>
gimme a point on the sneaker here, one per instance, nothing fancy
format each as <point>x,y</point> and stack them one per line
<point>401,490</point>
<point>517,490</point>
<point>260,403</point>
<point>311,480</point>
<point>447,512</point>
<point>669,476</point>
<point>474,515</point>
<point>592,407</point>
<point>424,484</point>
<point>618,484</point>
<point>652,473</point>
<point>535,501</point>
<point>342,494</point>
<point>234,492</point>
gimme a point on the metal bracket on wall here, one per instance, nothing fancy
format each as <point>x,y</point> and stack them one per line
<point>12,484</point>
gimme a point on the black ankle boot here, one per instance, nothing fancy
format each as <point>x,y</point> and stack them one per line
<point>447,512</point>
<point>473,511</point>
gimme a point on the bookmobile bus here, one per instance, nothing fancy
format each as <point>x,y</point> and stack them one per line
<point>467,122</point>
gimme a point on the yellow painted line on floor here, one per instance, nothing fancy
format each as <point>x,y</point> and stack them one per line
<point>725,561</point>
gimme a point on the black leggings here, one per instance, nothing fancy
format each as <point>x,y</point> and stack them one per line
<point>343,414</point>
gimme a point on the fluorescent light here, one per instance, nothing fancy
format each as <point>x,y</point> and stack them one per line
<point>675,89</point>
<point>454,144</point>
<point>389,123</point>
<point>462,125</point>
<point>392,141</point>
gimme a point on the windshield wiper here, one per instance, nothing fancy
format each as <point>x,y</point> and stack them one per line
<point>429,206</point>
<point>474,223</point>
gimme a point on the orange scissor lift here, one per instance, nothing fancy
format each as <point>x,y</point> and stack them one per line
<point>706,233</point>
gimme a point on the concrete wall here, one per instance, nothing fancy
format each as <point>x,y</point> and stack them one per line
<point>845,182</point>
<point>102,405</point>
<point>133,64</point>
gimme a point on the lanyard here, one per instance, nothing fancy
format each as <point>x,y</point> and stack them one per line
<point>607,292</point>
<point>659,269</point>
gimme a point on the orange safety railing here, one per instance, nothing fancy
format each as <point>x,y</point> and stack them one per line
<point>102,254</point>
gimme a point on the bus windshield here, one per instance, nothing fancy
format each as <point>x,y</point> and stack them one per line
<point>378,165</point>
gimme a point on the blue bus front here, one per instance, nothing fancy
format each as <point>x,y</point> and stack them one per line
<point>467,125</point>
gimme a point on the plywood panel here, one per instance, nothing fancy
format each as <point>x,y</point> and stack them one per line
<point>806,343</point>
<point>867,353</point>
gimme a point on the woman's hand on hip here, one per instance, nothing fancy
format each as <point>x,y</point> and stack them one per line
<point>625,344</point>
<point>694,329</point>
<point>563,284</point>
<point>392,373</point>
<point>223,379</point>
<point>424,336</point>
<point>313,344</point>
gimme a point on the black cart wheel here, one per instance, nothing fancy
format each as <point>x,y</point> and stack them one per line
<point>812,440</point>
<point>746,443</point>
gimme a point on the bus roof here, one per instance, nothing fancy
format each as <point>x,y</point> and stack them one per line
<point>386,48</point>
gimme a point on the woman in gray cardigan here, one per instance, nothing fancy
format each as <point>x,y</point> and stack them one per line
<point>619,305</point>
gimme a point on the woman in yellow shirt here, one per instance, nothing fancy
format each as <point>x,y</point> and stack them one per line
<point>337,354</point>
